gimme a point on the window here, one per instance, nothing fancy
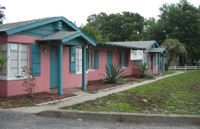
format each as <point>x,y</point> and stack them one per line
<point>17,59</point>
<point>91,59</point>
<point>78,60</point>
<point>123,59</point>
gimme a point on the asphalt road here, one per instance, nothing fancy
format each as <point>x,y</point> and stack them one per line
<point>13,120</point>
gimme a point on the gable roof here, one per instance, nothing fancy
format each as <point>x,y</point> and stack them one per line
<point>12,28</point>
<point>158,50</point>
<point>64,37</point>
<point>133,44</point>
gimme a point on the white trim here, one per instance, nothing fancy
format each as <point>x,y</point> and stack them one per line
<point>81,72</point>
<point>8,60</point>
<point>8,76</point>
<point>91,70</point>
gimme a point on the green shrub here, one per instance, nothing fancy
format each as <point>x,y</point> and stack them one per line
<point>113,73</point>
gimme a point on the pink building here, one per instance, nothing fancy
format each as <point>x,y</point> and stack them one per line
<point>60,56</point>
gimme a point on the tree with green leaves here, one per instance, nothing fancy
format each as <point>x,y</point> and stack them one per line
<point>117,27</point>
<point>182,21</point>
<point>175,49</point>
<point>2,15</point>
<point>94,33</point>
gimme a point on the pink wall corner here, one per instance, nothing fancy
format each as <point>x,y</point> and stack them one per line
<point>3,38</point>
<point>135,71</point>
<point>70,80</point>
<point>15,87</point>
<point>3,88</point>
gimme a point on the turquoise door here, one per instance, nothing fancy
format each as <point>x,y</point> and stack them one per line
<point>109,58</point>
<point>54,67</point>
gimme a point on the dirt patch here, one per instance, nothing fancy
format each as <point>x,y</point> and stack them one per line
<point>25,100</point>
<point>95,86</point>
<point>92,87</point>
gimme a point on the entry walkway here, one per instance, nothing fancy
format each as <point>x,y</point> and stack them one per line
<point>82,96</point>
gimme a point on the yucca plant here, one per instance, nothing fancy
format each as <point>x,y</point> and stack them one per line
<point>2,61</point>
<point>143,69</point>
<point>113,73</point>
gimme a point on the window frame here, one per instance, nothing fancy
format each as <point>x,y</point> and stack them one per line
<point>7,75</point>
<point>124,61</point>
<point>91,61</point>
<point>79,60</point>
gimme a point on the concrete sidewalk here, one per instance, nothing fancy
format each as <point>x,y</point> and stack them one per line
<point>82,97</point>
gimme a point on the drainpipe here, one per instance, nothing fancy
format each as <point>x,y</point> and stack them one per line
<point>60,56</point>
<point>84,68</point>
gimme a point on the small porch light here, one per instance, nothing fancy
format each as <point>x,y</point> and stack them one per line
<point>45,50</point>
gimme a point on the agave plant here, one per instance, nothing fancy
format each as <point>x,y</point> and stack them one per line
<point>143,69</point>
<point>2,61</point>
<point>113,73</point>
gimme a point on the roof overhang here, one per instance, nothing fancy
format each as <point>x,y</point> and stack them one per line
<point>108,44</point>
<point>13,28</point>
<point>158,50</point>
<point>64,37</point>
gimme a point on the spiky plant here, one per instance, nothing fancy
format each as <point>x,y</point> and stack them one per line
<point>113,73</point>
<point>143,69</point>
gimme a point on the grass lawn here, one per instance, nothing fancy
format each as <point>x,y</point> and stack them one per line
<point>178,94</point>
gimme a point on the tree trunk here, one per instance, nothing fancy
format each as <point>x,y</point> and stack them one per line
<point>168,63</point>
<point>181,61</point>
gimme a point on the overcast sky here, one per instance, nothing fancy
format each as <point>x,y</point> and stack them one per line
<point>78,10</point>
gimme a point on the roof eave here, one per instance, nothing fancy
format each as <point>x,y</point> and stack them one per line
<point>40,23</point>
<point>117,46</point>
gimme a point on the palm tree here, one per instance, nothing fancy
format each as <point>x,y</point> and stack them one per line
<point>174,48</point>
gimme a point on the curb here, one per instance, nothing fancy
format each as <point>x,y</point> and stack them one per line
<point>124,117</point>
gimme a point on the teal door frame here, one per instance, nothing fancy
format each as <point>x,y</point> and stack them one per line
<point>84,57</point>
<point>56,68</point>
<point>54,64</point>
<point>59,71</point>
<point>109,58</point>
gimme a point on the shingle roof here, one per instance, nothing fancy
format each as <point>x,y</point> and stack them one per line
<point>58,36</point>
<point>12,28</point>
<point>115,45</point>
<point>135,44</point>
<point>8,26</point>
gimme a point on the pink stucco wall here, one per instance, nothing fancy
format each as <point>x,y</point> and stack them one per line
<point>96,74</point>
<point>3,38</point>
<point>21,39</point>
<point>69,79</point>
<point>3,88</point>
